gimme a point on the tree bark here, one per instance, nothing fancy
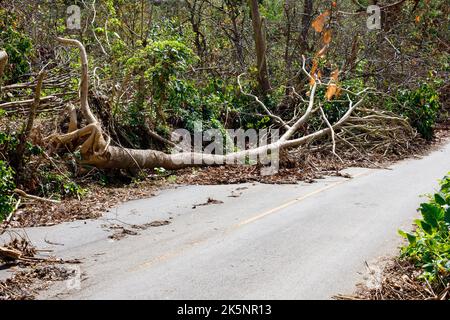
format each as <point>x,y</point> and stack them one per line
<point>260,47</point>
<point>306,23</point>
<point>20,151</point>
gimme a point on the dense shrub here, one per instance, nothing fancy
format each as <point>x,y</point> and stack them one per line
<point>60,186</point>
<point>429,245</point>
<point>421,106</point>
<point>18,46</point>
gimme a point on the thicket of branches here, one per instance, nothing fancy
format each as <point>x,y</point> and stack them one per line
<point>159,65</point>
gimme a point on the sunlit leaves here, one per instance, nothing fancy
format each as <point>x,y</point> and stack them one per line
<point>429,244</point>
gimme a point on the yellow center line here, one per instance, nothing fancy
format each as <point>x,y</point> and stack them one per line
<point>179,251</point>
<point>298,199</point>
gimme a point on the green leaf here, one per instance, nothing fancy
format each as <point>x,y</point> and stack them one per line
<point>431,214</point>
<point>411,238</point>
<point>426,227</point>
<point>439,198</point>
<point>447,215</point>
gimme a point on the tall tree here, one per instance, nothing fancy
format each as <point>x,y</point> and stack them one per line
<point>260,46</point>
<point>306,22</point>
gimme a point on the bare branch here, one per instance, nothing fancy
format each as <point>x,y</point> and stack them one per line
<point>304,118</point>
<point>29,196</point>
<point>332,133</point>
<point>84,86</point>
<point>270,114</point>
<point>29,126</point>
<point>320,133</point>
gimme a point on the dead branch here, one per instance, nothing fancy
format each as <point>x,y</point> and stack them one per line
<point>84,86</point>
<point>27,130</point>
<point>333,139</point>
<point>8,254</point>
<point>29,196</point>
<point>25,103</point>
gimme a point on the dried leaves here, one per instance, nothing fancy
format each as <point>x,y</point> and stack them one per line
<point>91,206</point>
<point>319,23</point>
<point>399,280</point>
<point>333,89</point>
<point>17,250</point>
<point>24,285</point>
<point>36,272</point>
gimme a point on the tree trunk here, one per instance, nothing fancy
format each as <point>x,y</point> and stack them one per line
<point>20,151</point>
<point>306,23</point>
<point>260,47</point>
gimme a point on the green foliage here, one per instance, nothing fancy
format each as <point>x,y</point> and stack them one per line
<point>421,106</point>
<point>17,45</point>
<point>8,142</point>
<point>7,186</point>
<point>158,68</point>
<point>60,185</point>
<point>429,245</point>
<point>208,104</point>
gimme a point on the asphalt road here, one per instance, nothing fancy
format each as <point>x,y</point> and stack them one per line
<point>305,241</point>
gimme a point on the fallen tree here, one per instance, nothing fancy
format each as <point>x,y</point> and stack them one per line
<point>96,148</point>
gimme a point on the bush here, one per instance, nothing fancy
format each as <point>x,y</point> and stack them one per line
<point>58,185</point>
<point>429,245</point>
<point>7,186</point>
<point>17,45</point>
<point>157,68</point>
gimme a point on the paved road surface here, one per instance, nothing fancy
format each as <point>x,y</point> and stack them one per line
<point>305,241</point>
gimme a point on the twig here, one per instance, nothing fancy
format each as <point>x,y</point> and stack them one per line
<point>332,134</point>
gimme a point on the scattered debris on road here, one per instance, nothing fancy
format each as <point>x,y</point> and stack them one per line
<point>120,231</point>
<point>207,203</point>
<point>31,273</point>
<point>235,193</point>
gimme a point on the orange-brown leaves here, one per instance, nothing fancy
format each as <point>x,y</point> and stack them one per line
<point>319,23</point>
<point>333,89</point>
<point>335,75</point>
<point>327,36</point>
<point>313,72</point>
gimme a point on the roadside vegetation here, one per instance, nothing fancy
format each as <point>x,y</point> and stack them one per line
<point>429,244</point>
<point>422,270</point>
<point>156,66</point>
